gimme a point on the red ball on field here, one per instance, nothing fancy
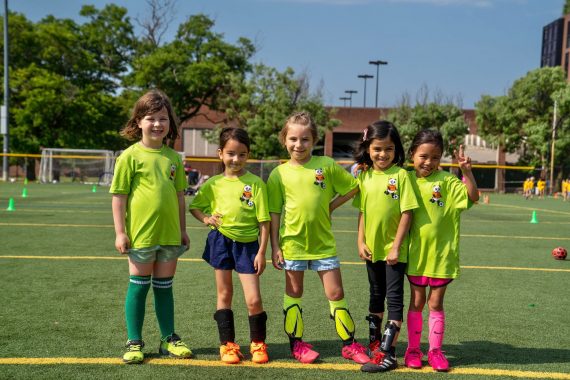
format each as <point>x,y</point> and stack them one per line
<point>559,253</point>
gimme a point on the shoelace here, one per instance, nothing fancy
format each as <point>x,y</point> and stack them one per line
<point>134,347</point>
<point>415,353</point>
<point>258,347</point>
<point>438,354</point>
<point>303,347</point>
<point>357,348</point>
<point>378,357</point>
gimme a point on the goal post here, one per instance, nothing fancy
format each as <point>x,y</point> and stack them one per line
<point>90,166</point>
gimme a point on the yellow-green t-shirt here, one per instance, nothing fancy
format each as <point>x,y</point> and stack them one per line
<point>383,197</point>
<point>434,234</point>
<point>241,201</point>
<point>302,194</point>
<point>151,178</point>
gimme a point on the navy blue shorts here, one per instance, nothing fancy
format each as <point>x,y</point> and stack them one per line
<point>222,252</point>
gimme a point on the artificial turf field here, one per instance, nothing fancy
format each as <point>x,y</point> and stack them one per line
<point>63,289</point>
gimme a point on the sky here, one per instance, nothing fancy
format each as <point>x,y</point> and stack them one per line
<point>461,49</point>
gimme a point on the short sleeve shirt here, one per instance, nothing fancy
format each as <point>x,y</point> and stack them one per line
<point>383,197</point>
<point>242,203</point>
<point>434,233</point>
<point>302,194</point>
<point>151,178</point>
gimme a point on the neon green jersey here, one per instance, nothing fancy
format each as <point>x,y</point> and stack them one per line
<point>151,178</point>
<point>242,202</point>
<point>302,194</point>
<point>383,197</point>
<point>434,234</point>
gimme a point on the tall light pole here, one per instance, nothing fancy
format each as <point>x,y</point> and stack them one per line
<point>344,98</point>
<point>377,64</point>
<point>552,149</point>
<point>4,113</point>
<point>350,92</point>
<point>365,77</point>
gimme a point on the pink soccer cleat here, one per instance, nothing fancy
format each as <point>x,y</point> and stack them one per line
<point>356,352</point>
<point>437,360</point>
<point>303,352</point>
<point>413,358</point>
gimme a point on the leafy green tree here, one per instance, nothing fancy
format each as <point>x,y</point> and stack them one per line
<point>566,8</point>
<point>196,69</point>
<point>262,103</point>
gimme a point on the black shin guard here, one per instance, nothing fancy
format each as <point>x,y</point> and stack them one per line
<point>389,334</point>
<point>257,327</point>
<point>374,327</point>
<point>226,329</point>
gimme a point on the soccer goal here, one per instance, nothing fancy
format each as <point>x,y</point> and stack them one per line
<point>90,166</point>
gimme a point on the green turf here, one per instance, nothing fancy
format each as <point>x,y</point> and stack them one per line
<point>496,318</point>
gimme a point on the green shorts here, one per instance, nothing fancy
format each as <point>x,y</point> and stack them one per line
<point>160,253</point>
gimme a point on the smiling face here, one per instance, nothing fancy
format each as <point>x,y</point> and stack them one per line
<point>382,153</point>
<point>234,155</point>
<point>426,159</point>
<point>299,143</point>
<point>154,127</point>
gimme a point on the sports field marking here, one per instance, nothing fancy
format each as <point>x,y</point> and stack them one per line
<point>528,208</point>
<point>282,365</point>
<point>123,257</point>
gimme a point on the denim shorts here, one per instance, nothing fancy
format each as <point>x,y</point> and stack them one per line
<point>160,253</point>
<point>224,253</point>
<point>319,265</point>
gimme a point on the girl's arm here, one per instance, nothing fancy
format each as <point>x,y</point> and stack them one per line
<point>341,199</point>
<point>403,228</point>
<point>464,163</point>
<point>119,206</point>
<point>209,220</point>
<point>259,261</point>
<point>184,239</point>
<point>363,250</point>
<point>276,254</point>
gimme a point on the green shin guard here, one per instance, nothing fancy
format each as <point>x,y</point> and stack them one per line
<point>344,324</point>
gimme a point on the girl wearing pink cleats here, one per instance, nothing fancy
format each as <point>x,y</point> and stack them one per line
<point>305,190</point>
<point>434,242</point>
<point>385,201</point>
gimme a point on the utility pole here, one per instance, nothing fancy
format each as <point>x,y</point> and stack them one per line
<point>365,77</point>
<point>377,64</point>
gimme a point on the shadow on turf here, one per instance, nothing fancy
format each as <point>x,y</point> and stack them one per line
<point>463,354</point>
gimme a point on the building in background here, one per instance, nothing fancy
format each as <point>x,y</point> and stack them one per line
<point>556,44</point>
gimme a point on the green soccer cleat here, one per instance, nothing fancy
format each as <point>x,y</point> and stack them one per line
<point>134,354</point>
<point>174,347</point>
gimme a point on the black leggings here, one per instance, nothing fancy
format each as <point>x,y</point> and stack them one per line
<point>386,282</point>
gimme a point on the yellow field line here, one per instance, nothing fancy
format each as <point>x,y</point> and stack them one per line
<point>281,365</point>
<point>74,225</point>
<point>124,257</point>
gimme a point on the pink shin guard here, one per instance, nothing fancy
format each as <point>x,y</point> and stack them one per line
<point>415,322</point>
<point>436,329</point>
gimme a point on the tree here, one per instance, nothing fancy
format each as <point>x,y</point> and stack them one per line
<point>262,103</point>
<point>196,69</point>
<point>440,113</point>
<point>566,8</point>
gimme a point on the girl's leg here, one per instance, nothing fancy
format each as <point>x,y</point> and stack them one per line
<point>224,315</point>
<point>377,282</point>
<point>163,276</point>
<point>436,329</point>
<point>413,357</point>
<point>257,317</point>
<point>139,284</point>
<point>344,324</point>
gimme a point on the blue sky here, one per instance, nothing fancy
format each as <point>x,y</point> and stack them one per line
<point>463,48</point>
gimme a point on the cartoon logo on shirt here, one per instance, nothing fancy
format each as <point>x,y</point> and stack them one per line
<point>172,172</point>
<point>436,196</point>
<point>392,189</point>
<point>247,196</point>
<point>320,178</point>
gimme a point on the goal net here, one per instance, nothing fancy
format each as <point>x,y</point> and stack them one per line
<point>90,166</point>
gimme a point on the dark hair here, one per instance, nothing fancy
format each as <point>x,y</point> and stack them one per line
<point>426,136</point>
<point>301,118</point>
<point>151,102</point>
<point>233,133</point>
<point>380,129</point>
